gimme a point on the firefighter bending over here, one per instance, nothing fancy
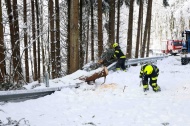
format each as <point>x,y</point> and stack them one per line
<point>152,72</point>
<point>120,57</point>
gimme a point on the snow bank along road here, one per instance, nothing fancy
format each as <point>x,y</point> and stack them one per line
<point>119,102</point>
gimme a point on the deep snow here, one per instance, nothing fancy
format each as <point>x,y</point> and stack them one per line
<point>119,102</point>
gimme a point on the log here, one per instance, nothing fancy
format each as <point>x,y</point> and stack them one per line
<point>98,74</point>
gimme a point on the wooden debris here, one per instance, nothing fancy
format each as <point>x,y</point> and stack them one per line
<point>96,75</point>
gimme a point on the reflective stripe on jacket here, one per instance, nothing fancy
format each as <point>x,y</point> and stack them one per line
<point>152,71</point>
<point>119,54</point>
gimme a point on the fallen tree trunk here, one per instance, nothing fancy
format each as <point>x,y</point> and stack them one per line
<point>92,77</point>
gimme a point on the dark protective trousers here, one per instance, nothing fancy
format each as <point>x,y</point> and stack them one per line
<point>121,63</point>
<point>152,82</point>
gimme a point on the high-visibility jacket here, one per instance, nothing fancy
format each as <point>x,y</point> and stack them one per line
<point>149,70</point>
<point>119,54</point>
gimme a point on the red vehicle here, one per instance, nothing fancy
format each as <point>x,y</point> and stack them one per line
<point>171,46</point>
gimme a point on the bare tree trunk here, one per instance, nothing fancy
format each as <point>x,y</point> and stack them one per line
<point>51,16</point>
<point>118,20</point>
<point>74,45</point>
<point>100,34</point>
<point>81,41</point>
<point>48,46</point>
<point>58,56</point>
<point>139,29</point>
<point>31,65</point>
<point>38,36</point>
<point>68,37</point>
<point>42,37</point>
<point>148,43</point>
<point>97,74</point>
<point>111,23</point>
<point>34,41</point>
<point>26,42</point>
<point>149,29</point>
<point>130,30</point>
<point>2,50</point>
<point>16,52</point>
<point>87,37</point>
<point>11,27</point>
<point>92,32</point>
<point>148,18</point>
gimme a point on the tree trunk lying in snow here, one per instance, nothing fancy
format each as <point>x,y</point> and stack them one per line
<point>97,74</point>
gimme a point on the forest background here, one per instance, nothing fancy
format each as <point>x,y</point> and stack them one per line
<point>57,37</point>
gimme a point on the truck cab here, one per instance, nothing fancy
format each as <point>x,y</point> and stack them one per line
<point>172,47</point>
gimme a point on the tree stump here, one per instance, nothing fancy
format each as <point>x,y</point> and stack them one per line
<point>102,73</point>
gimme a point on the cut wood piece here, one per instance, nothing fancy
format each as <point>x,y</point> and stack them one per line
<point>102,73</point>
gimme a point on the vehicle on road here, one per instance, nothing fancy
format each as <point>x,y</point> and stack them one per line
<point>185,54</point>
<point>172,47</point>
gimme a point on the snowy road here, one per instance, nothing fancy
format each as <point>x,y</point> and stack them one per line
<point>119,102</point>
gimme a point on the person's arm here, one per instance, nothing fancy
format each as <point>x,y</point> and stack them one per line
<point>141,72</point>
<point>116,54</point>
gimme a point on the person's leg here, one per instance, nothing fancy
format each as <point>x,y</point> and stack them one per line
<point>118,65</point>
<point>145,83</point>
<point>123,64</point>
<point>153,83</point>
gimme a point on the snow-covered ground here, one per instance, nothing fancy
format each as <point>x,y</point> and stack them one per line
<point>119,102</point>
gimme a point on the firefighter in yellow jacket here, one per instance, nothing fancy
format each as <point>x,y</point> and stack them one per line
<point>152,72</point>
<point>120,57</point>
